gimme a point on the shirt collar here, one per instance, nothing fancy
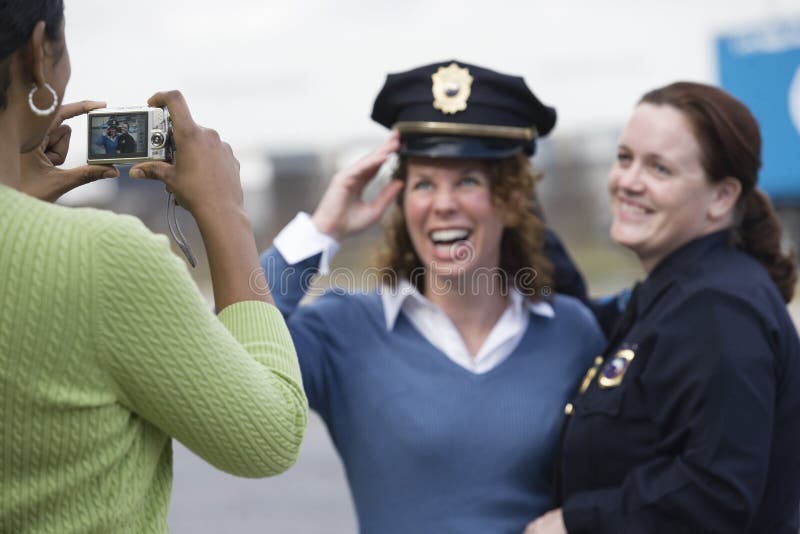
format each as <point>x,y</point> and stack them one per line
<point>677,264</point>
<point>405,294</point>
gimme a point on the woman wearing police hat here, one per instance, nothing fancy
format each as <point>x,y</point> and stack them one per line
<point>689,423</point>
<point>437,389</point>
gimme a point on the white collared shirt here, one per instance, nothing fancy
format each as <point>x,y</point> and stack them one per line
<point>300,240</point>
<point>439,330</point>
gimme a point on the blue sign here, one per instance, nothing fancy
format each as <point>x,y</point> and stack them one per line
<point>761,67</point>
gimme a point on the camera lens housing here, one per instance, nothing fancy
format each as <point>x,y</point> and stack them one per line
<point>157,139</point>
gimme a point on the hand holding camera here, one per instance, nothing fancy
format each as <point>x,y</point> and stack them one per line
<point>204,174</point>
<point>40,176</point>
<point>205,179</point>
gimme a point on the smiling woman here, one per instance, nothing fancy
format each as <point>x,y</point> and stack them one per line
<point>450,219</point>
<point>439,190</point>
<point>660,197</point>
<point>688,423</point>
<point>442,389</point>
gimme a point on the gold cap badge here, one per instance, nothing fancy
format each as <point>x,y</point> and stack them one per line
<point>451,88</point>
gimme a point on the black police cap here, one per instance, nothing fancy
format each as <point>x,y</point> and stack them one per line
<point>457,110</point>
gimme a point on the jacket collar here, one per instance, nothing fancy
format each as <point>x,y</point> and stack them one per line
<point>676,266</point>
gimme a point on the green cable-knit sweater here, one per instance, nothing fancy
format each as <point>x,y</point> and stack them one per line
<point>107,349</point>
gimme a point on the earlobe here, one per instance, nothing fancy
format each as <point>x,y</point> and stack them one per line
<point>726,194</point>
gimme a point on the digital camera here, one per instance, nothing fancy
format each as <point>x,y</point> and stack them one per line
<point>129,135</point>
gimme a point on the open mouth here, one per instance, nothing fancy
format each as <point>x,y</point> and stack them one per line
<point>449,237</point>
<point>451,244</point>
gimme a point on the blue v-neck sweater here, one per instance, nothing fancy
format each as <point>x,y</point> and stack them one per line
<point>427,445</point>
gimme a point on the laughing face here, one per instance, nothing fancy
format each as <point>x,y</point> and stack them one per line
<point>449,215</point>
<point>660,196</point>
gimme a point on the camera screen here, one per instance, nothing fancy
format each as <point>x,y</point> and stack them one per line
<point>118,135</point>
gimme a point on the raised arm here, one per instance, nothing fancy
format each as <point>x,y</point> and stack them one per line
<point>205,179</point>
<point>229,386</point>
<point>304,248</point>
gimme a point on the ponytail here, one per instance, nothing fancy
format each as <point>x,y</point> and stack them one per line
<point>759,235</point>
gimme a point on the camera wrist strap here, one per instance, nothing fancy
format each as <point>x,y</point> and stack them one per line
<point>175,230</point>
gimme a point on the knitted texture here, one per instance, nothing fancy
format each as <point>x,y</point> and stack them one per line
<point>107,349</point>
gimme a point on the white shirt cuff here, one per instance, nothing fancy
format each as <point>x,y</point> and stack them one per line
<point>300,240</point>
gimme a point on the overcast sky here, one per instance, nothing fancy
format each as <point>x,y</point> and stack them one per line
<point>303,75</point>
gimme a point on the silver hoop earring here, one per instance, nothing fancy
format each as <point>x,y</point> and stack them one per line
<point>38,111</point>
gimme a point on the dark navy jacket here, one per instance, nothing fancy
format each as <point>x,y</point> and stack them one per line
<point>696,427</point>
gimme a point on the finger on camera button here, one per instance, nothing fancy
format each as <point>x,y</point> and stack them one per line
<point>178,109</point>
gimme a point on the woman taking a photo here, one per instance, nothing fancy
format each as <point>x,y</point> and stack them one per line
<point>690,422</point>
<point>107,348</point>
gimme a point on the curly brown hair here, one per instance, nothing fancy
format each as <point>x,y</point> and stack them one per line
<point>522,259</point>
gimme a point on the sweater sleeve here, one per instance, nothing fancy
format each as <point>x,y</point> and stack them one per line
<point>289,284</point>
<point>710,387</point>
<point>227,387</point>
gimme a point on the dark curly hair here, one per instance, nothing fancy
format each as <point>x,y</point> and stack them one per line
<point>730,145</point>
<point>523,264</point>
<point>17,20</point>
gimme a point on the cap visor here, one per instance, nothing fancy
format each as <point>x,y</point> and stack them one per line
<point>461,147</point>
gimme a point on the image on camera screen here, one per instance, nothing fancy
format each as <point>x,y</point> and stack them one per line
<point>118,136</point>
